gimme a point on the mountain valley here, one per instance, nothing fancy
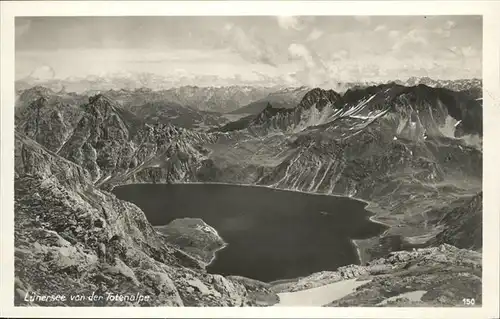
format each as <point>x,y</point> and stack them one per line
<point>412,152</point>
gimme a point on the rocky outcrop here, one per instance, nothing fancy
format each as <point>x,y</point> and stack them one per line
<point>444,273</point>
<point>193,236</point>
<point>462,224</point>
<point>47,119</point>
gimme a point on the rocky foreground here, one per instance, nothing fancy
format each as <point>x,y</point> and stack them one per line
<point>444,275</point>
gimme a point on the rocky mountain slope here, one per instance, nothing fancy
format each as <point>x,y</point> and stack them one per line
<point>472,87</point>
<point>74,239</point>
<point>285,118</point>
<point>178,115</point>
<point>462,224</point>
<point>150,106</point>
<point>409,151</point>
<point>284,98</point>
<point>414,153</point>
<point>112,143</point>
<point>420,109</point>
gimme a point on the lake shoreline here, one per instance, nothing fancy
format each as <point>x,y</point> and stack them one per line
<point>251,185</point>
<point>360,258</point>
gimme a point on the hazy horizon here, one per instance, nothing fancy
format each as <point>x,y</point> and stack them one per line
<point>258,51</point>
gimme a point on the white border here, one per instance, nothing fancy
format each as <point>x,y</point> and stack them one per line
<point>491,70</point>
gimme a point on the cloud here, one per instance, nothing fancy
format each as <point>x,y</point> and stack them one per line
<point>339,55</point>
<point>174,55</point>
<point>248,45</point>
<point>443,32</point>
<point>22,26</point>
<point>450,24</point>
<point>469,52</point>
<point>43,72</point>
<point>315,34</point>
<point>308,50</point>
<point>363,19</point>
<point>290,22</point>
<point>464,52</point>
<point>300,52</point>
<point>393,33</point>
<point>314,72</point>
<point>414,38</point>
<point>293,23</point>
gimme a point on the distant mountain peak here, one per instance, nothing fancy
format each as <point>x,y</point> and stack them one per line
<point>38,90</point>
<point>34,93</point>
<point>100,105</point>
<point>38,103</point>
<point>100,98</point>
<point>319,97</point>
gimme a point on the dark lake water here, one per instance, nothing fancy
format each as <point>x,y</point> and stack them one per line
<point>272,234</point>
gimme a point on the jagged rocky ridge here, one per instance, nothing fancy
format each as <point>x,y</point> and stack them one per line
<point>284,98</point>
<point>420,110</point>
<point>367,150</point>
<point>113,144</point>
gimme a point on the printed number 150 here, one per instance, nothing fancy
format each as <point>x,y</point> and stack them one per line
<point>469,301</point>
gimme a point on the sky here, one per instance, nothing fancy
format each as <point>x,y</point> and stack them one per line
<point>263,50</point>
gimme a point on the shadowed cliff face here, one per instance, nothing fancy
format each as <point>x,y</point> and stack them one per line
<point>462,224</point>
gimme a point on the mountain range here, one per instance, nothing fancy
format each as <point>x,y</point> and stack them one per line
<point>225,98</point>
<point>413,152</point>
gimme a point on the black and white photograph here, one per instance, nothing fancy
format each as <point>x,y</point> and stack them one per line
<point>248,161</point>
